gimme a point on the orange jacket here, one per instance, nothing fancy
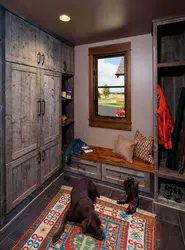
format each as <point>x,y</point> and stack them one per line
<point>165,122</point>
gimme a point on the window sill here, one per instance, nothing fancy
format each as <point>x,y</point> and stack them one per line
<point>111,124</point>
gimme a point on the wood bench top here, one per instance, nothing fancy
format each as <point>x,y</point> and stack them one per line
<point>105,155</point>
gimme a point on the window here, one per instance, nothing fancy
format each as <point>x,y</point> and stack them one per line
<point>109,82</point>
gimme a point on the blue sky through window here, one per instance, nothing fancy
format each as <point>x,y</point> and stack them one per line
<point>107,68</point>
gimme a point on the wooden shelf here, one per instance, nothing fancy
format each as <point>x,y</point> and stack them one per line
<point>171,203</point>
<point>171,64</point>
<point>66,100</point>
<point>68,74</point>
<point>67,123</point>
<point>170,174</point>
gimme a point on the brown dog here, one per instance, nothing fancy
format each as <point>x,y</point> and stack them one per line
<point>83,196</point>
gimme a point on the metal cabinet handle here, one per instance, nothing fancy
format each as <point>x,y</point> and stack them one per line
<point>39,158</point>
<point>39,107</point>
<point>43,107</point>
<point>65,66</point>
<point>43,155</point>
<point>43,59</point>
<point>38,57</point>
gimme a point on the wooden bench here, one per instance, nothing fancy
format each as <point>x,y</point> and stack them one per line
<point>105,166</point>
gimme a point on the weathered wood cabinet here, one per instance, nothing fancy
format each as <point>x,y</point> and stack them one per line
<point>50,158</point>
<point>67,59</point>
<point>22,178</point>
<point>26,44</point>
<point>22,121</point>
<point>32,108</point>
<point>21,41</point>
<point>50,105</point>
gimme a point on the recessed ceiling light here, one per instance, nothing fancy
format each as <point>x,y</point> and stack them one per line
<point>64,18</point>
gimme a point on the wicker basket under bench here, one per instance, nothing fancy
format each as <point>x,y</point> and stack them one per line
<point>105,167</point>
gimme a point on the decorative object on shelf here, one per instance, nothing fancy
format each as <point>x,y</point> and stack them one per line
<point>64,118</point>
<point>64,94</point>
<point>69,93</point>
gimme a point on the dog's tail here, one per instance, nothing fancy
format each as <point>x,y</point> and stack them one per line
<point>59,232</point>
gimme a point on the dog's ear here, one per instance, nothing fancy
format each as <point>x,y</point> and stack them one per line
<point>93,189</point>
<point>85,223</point>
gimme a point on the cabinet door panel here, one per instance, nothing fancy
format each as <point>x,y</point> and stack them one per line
<point>50,52</point>
<point>50,159</point>
<point>21,41</point>
<point>22,121</point>
<point>50,84</point>
<point>67,59</point>
<point>22,178</point>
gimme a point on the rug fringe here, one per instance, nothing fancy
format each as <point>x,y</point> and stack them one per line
<point>141,211</point>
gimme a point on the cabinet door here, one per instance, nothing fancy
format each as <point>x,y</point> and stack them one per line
<point>50,159</point>
<point>67,59</point>
<point>22,178</point>
<point>21,41</point>
<point>50,52</point>
<point>51,103</point>
<point>21,115</point>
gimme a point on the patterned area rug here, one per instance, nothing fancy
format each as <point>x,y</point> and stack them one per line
<point>134,232</point>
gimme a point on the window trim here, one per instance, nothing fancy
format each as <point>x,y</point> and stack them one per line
<point>102,121</point>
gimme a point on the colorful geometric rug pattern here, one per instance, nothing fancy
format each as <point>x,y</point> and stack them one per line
<point>125,232</point>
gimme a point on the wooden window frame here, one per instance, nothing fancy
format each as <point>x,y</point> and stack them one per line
<point>102,121</point>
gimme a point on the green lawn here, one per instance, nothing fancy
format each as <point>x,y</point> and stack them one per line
<point>117,105</point>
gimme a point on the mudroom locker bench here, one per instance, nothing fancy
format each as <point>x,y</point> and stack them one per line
<point>104,166</point>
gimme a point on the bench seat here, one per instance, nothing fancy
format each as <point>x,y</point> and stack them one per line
<point>105,167</point>
<point>105,155</point>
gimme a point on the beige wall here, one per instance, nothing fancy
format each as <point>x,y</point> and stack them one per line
<point>141,89</point>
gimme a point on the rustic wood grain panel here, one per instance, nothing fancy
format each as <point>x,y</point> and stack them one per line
<point>118,175</point>
<point>21,178</point>
<point>2,119</point>
<point>86,168</point>
<point>50,159</point>
<point>50,49</point>
<point>67,59</point>
<point>50,93</point>
<point>21,41</point>
<point>22,94</point>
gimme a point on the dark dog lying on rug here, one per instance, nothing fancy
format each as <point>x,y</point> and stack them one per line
<point>83,196</point>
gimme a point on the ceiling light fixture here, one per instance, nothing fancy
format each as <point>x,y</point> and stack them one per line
<point>64,18</point>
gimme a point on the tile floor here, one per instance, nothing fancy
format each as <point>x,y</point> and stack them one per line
<point>170,224</point>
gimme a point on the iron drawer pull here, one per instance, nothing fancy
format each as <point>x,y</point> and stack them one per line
<point>38,57</point>
<point>39,107</point>
<point>65,66</point>
<point>39,158</point>
<point>43,59</point>
<point>43,155</point>
<point>43,107</point>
